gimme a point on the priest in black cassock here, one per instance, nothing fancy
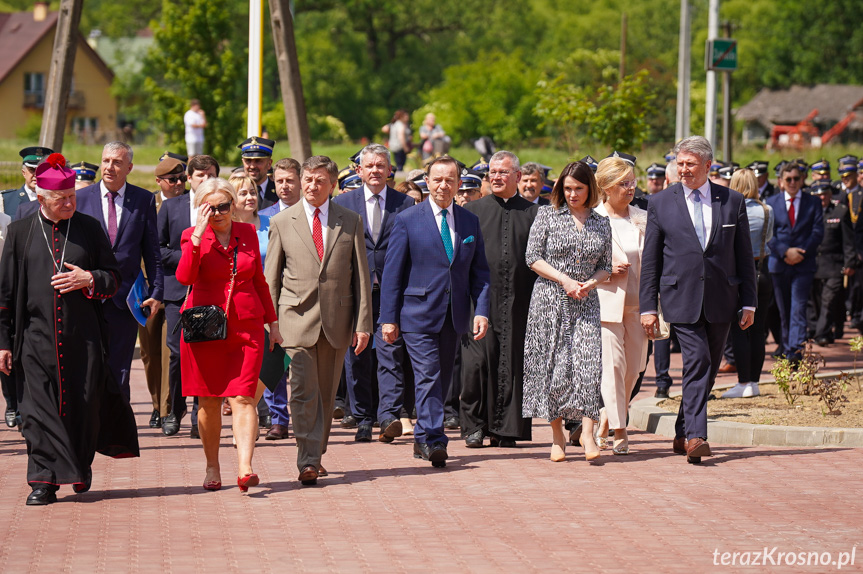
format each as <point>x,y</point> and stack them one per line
<point>57,268</point>
<point>492,368</point>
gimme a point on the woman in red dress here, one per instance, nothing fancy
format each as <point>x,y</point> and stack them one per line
<point>229,368</point>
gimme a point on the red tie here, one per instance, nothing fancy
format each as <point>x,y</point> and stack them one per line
<point>317,235</point>
<point>791,212</point>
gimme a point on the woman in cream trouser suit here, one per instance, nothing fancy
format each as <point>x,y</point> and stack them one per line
<point>624,344</point>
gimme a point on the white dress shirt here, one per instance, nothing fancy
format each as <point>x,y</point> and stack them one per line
<point>310,217</point>
<point>706,207</point>
<point>370,204</point>
<point>193,211</point>
<point>118,203</point>
<point>283,206</point>
<point>436,210</point>
<point>31,193</point>
<point>796,201</point>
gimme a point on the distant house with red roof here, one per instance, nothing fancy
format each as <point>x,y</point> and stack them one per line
<point>26,45</point>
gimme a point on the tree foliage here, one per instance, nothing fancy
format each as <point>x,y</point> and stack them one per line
<point>177,69</point>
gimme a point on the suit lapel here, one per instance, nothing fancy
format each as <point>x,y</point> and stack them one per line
<point>128,207</point>
<point>715,206</point>
<point>334,229</point>
<point>458,235</point>
<point>683,208</point>
<point>301,226</point>
<point>433,230</point>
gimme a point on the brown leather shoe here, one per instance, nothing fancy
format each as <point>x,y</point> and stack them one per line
<point>309,475</point>
<point>728,368</point>
<point>679,445</point>
<point>322,471</point>
<point>277,432</point>
<point>695,449</point>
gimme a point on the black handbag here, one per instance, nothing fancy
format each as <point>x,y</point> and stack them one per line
<point>207,322</point>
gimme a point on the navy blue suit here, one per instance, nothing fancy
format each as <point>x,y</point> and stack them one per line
<point>173,219</point>
<point>13,199</point>
<point>700,290</point>
<point>136,239</point>
<point>430,298</point>
<point>792,283</point>
<point>360,370</point>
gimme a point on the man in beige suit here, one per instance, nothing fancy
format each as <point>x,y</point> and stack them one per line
<point>318,275</point>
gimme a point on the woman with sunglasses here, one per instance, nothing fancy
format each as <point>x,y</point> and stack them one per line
<point>221,262</point>
<point>624,343</point>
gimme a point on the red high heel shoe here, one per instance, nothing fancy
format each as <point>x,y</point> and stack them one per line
<point>213,485</point>
<point>249,480</point>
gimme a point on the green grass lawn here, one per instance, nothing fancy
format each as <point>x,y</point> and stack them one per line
<point>148,155</point>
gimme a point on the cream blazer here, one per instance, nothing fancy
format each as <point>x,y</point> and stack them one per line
<point>612,293</point>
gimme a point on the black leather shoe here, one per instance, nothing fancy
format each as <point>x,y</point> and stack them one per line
<point>390,429</point>
<point>338,413</point>
<point>438,455</point>
<point>193,432</point>
<point>575,436</point>
<point>661,393</point>
<point>505,443</point>
<point>170,425</point>
<point>155,420</point>
<point>822,341</point>
<point>451,423</point>
<point>41,497</point>
<point>348,422</point>
<point>364,433</point>
<point>265,421</point>
<point>474,439</point>
<point>10,418</point>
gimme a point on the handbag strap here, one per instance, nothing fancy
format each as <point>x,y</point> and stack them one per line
<point>230,288</point>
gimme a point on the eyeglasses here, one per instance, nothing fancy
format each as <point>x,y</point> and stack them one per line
<point>222,208</point>
<point>501,173</point>
<point>792,179</point>
<point>628,184</point>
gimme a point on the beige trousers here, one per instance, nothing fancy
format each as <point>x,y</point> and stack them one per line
<point>314,379</point>
<point>624,354</point>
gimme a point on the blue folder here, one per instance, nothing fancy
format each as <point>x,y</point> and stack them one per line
<point>135,300</point>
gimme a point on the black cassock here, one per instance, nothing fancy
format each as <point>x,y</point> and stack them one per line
<point>493,367</point>
<point>69,406</point>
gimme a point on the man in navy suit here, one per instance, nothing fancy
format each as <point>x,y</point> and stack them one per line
<point>697,263</point>
<point>175,216</point>
<point>128,216</point>
<point>798,229</point>
<point>377,204</point>
<point>434,268</point>
<point>286,177</point>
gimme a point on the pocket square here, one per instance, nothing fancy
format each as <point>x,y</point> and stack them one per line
<point>468,239</point>
<point>729,225</point>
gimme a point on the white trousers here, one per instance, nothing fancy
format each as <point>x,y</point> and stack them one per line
<point>624,355</point>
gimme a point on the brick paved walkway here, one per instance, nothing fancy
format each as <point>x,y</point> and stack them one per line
<point>490,510</point>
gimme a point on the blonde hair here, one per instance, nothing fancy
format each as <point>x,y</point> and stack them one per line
<point>240,180</point>
<point>610,172</point>
<point>744,181</point>
<point>212,186</point>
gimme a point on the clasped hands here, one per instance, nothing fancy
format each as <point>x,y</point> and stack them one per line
<point>794,255</point>
<point>575,289</point>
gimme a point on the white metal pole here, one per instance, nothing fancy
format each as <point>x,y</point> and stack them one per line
<point>684,66</point>
<point>710,108</point>
<point>256,63</point>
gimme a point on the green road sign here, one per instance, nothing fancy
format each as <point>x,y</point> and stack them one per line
<point>721,55</point>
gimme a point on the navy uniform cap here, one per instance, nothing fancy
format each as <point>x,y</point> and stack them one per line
<point>726,171</point>
<point>847,164</point>
<point>353,181</point>
<point>802,165</point>
<point>821,166</point>
<point>33,156</point>
<point>545,170</point>
<point>715,167</point>
<point>630,159</point>
<point>779,167</point>
<point>670,157</point>
<point>655,171</point>
<point>84,171</point>
<point>759,167</point>
<point>480,167</point>
<point>419,179</point>
<point>355,159</point>
<point>183,159</point>
<point>470,180</point>
<point>821,186</point>
<point>257,147</point>
<point>592,163</point>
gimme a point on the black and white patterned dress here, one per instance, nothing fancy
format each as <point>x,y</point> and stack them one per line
<point>563,346</point>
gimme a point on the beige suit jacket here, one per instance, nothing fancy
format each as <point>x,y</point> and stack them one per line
<point>332,295</point>
<point>612,293</point>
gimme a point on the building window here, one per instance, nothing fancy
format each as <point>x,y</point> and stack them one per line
<point>34,90</point>
<point>84,126</point>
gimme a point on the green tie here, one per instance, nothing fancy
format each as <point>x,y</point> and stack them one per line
<point>444,234</point>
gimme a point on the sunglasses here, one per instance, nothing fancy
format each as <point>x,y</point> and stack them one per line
<point>222,208</point>
<point>174,179</point>
<point>792,179</point>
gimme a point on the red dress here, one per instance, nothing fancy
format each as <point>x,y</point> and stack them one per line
<point>230,367</point>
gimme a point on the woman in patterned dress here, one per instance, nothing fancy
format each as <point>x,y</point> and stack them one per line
<point>570,249</point>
